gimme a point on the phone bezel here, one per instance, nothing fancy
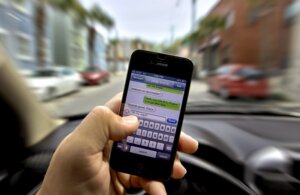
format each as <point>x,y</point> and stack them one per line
<point>177,67</point>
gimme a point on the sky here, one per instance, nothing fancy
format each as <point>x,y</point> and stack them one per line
<point>151,20</point>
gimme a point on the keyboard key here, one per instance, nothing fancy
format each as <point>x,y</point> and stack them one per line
<point>141,122</point>
<point>144,133</point>
<point>169,148</point>
<point>171,139</point>
<point>166,138</point>
<point>156,127</point>
<point>146,124</point>
<point>171,121</point>
<point>130,139</point>
<point>138,132</point>
<point>160,146</point>
<point>137,141</point>
<point>151,125</point>
<point>173,129</point>
<point>143,151</point>
<point>154,136</point>
<point>152,144</point>
<point>125,147</point>
<point>120,145</point>
<point>163,155</point>
<point>145,142</point>
<point>160,136</point>
<point>162,127</point>
<point>168,128</point>
<point>149,134</point>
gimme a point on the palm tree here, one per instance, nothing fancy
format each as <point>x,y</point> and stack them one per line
<point>40,19</point>
<point>96,15</point>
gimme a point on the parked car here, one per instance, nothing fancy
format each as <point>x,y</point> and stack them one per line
<point>238,80</point>
<point>52,82</point>
<point>94,75</point>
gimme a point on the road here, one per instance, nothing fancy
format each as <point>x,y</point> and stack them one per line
<point>87,98</point>
<point>91,96</point>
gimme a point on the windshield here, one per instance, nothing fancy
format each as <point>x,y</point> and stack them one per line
<point>91,69</point>
<point>245,53</point>
<point>44,73</point>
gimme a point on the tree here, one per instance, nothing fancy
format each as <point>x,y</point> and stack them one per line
<point>40,19</point>
<point>96,15</point>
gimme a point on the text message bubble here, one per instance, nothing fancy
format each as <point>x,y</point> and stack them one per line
<point>166,89</point>
<point>141,107</point>
<point>161,103</point>
<point>145,91</point>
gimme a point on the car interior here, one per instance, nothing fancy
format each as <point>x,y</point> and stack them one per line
<point>239,153</point>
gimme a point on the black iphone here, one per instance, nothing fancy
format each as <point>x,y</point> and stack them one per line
<point>156,91</point>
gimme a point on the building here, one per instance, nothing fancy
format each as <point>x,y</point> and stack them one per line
<point>253,34</point>
<point>17,32</point>
<point>119,53</point>
<point>99,57</point>
<point>69,40</point>
<point>290,81</point>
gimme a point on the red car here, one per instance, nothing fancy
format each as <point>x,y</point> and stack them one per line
<point>239,80</point>
<point>95,76</point>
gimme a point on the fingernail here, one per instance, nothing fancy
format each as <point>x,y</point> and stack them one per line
<point>185,171</point>
<point>130,119</point>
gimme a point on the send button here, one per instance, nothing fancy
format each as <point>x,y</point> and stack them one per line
<point>171,120</point>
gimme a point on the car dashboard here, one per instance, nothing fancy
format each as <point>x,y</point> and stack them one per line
<point>237,154</point>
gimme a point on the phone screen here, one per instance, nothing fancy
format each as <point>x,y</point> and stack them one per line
<point>156,100</point>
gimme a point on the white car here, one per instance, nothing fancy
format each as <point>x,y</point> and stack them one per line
<point>52,82</point>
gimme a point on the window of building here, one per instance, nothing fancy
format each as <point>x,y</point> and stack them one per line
<point>47,51</point>
<point>22,6</point>
<point>24,46</point>
<point>2,37</point>
<point>253,14</point>
<point>230,18</point>
<point>226,55</point>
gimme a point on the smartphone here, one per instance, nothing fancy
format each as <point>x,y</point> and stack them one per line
<point>156,91</point>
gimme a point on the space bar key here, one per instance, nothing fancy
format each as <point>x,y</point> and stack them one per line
<point>142,151</point>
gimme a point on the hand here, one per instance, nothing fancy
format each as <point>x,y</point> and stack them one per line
<point>80,165</point>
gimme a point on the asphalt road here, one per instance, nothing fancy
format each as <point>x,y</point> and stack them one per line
<point>86,99</point>
<point>90,96</point>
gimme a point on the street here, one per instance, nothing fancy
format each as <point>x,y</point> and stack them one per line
<point>90,96</point>
<point>87,98</point>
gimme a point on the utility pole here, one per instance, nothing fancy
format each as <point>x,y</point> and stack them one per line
<point>172,29</point>
<point>194,11</point>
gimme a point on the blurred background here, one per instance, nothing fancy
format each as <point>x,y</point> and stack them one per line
<point>74,54</point>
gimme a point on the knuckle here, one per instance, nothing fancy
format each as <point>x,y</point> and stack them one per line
<point>101,111</point>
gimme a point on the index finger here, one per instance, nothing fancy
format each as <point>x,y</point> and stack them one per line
<point>187,144</point>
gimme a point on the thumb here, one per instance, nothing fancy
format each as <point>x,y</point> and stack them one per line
<point>102,125</point>
<point>121,127</point>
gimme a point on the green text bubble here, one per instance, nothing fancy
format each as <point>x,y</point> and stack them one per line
<point>161,103</point>
<point>167,89</point>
